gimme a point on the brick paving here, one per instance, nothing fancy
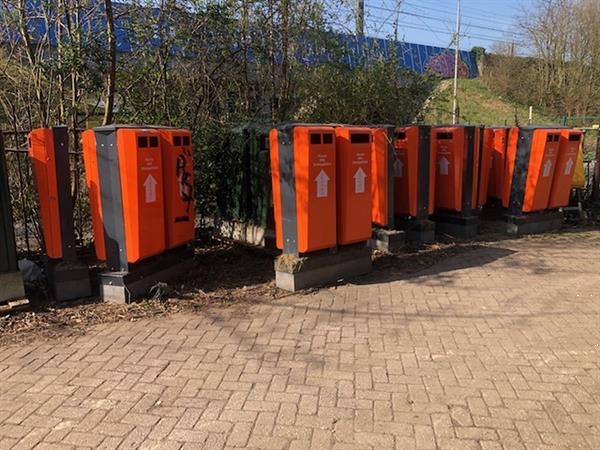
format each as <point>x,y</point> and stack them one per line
<point>497,347</point>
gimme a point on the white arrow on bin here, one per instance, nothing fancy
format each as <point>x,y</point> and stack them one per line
<point>150,188</point>
<point>444,164</point>
<point>547,168</point>
<point>322,181</point>
<point>398,168</point>
<point>359,181</point>
<point>568,166</point>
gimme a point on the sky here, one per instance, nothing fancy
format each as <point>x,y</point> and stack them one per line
<point>432,22</point>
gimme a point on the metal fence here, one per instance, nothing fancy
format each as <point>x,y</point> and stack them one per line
<point>24,199</point>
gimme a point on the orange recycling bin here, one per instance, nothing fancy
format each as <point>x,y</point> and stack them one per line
<point>494,141</point>
<point>303,173</point>
<point>49,152</point>
<point>570,142</point>
<point>90,162</point>
<point>130,202</point>
<point>457,150</point>
<point>531,158</point>
<point>178,175</point>
<point>42,154</point>
<point>353,148</point>
<point>414,172</point>
<point>382,180</point>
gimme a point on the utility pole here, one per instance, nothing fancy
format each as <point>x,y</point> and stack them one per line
<point>396,20</point>
<point>456,50</point>
<point>360,17</point>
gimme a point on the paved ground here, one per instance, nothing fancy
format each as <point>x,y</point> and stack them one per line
<point>496,347</point>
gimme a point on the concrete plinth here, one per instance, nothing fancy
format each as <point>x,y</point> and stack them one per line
<point>11,287</point>
<point>456,224</point>
<point>317,269</point>
<point>389,241</point>
<point>12,292</point>
<point>124,287</point>
<point>417,230</point>
<point>68,280</point>
<point>534,223</point>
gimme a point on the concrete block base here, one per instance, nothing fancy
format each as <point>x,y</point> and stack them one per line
<point>389,241</point>
<point>11,287</point>
<point>534,223</point>
<point>317,269</point>
<point>417,230</point>
<point>456,224</point>
<point>124,287</point>
<point>68,280</point>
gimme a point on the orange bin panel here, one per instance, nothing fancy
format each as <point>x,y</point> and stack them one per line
<point>90,162</point>
<point>303,171</point>
<point>381,177</point>
<point>353,146</point>
<point>531,162</point>
<point>495,140</point>
<point>178,175</point>
<point>41,151</point>
<point>414,169</point>
<point>570,142</point>
<point>140,164</point>
<point>451,149</point>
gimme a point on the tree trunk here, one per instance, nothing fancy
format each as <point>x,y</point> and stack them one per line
<point>111,76</point>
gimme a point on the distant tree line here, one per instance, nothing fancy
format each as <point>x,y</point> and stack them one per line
<point>561,72</point>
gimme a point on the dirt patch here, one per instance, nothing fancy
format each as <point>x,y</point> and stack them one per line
<point>225,275</point>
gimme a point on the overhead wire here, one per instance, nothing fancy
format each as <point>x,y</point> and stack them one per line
<point>465,35</point>
<point>439,19</point>
<point>378,23</point>
<point>478,13</point>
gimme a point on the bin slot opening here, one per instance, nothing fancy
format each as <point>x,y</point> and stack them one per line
<point>360,138</point>
<point>328,138</point>
<point>444,135</point>
<point>142,141</point>
<point>315,138</point>
<point>177,141</point>
<point>574,137</point>
<point>153,141</point>
<point>400,135</point>
<point>186,140</point>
